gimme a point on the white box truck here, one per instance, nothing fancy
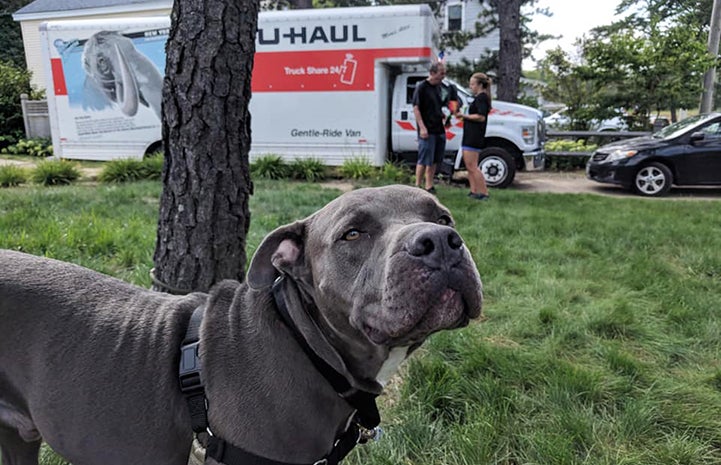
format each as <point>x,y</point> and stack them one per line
<point>329,84</point>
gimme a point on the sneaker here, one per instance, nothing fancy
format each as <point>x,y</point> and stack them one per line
<point>479,196</point>
<point>431,190</point>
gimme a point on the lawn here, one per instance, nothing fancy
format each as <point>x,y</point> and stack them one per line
<point>600,340</point>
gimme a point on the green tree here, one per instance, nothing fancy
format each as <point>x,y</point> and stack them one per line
<point>11,41</point>
<point>13,82</point>
<point>645,63</point>
<point>662,70</point>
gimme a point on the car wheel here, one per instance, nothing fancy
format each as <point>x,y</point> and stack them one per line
<point>653,180</point>
<point>497,166</point>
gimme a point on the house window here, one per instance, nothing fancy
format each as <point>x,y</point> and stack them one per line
<point>454,13</point>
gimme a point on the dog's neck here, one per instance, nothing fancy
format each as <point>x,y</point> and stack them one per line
<point>352,363</point>
<point>282,408</point>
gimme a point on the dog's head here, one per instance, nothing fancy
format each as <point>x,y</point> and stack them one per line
<point>384,262</point>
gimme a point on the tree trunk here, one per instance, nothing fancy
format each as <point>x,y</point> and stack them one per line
<point>204,214</point>
<point>510,49</point>
<point>709,78</point>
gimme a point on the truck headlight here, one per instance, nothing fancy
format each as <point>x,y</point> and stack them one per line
<point>529,134</point>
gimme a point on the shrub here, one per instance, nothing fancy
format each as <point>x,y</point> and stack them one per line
<point>356,168</point>
<point>11,176</point>
<point>269,167</point>
<point>9,139</point>
<point>31,147</point>
<point>308,169</point>
<point>132,169</point>
<point>152,166</point>
<point>121,170</point>
<point>566,162</point>
<point>14,81</point>
<point>394,173</point>
<point>55,172</point>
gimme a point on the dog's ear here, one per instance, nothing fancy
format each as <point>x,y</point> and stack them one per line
<point>280,252</point>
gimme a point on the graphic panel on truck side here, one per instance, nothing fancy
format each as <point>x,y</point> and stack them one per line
<point>109,84</point>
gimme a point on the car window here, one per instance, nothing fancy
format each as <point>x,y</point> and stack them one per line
<point>680,127</point>
<point>712,131</point>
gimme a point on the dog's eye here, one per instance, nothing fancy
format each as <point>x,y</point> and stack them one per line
<point>444,220</point>
<point>351,235</point>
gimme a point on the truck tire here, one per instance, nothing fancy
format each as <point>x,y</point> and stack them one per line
<point>497,166</point>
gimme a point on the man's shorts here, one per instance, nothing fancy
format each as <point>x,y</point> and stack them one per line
<point>431,150</point>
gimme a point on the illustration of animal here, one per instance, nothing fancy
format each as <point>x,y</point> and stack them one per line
<point>284,364</point>
<point>122,74</point>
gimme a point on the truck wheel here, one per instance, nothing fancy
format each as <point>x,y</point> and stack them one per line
<point>497,166</point>
<point>653,180</point>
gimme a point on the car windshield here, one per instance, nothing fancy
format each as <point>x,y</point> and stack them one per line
<point>680,127</point>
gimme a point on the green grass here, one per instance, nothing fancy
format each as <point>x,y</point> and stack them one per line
<point>600,343</point>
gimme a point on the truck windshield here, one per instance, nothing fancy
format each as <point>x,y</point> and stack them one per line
<point>463,92</point>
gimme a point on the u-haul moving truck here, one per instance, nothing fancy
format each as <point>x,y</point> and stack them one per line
<point>329,84</point>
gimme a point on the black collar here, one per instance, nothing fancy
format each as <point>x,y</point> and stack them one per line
<point>363,402</point>
<point>364,424</point>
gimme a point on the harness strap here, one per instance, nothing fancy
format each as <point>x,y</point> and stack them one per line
<point>226,453</point>
<point>191,383</point>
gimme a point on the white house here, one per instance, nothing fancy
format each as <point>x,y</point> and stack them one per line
<point>456,15</point>
<point>462,15</point>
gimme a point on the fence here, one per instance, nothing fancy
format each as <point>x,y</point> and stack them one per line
<point>35,117</point>
<point>612,135</point>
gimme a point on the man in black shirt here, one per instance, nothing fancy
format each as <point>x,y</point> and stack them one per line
<point>427,107</point>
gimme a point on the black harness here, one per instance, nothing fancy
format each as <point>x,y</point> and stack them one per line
<point>362,427</point>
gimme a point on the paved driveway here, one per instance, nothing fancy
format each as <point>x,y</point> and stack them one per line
<point>576,183</point>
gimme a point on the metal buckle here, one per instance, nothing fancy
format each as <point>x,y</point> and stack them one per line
<point>365,434</point>
<point>321,462</point>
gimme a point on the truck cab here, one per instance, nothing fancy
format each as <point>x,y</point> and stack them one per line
<point>514,135</point>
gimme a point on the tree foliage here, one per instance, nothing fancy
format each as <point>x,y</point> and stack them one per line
<point>11,41</point>
<point>14,81</point>
<point>652,60</point>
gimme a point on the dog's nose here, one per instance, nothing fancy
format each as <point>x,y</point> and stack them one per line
<point>437,246</point>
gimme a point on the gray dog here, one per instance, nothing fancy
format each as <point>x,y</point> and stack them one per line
<point>89,363</point>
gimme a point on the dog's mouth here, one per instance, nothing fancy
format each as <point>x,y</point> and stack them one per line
<point>452,310</point>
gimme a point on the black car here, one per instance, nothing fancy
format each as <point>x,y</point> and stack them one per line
<point>686,153</point>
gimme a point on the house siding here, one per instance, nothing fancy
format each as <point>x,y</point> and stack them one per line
<point>476,47</point>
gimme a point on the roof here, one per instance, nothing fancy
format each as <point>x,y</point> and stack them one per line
<point>44,7</point>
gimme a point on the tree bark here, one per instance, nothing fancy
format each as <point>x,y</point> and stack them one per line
<point>510,49</point>
<point>204,214</point>
<point>709,78</point>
